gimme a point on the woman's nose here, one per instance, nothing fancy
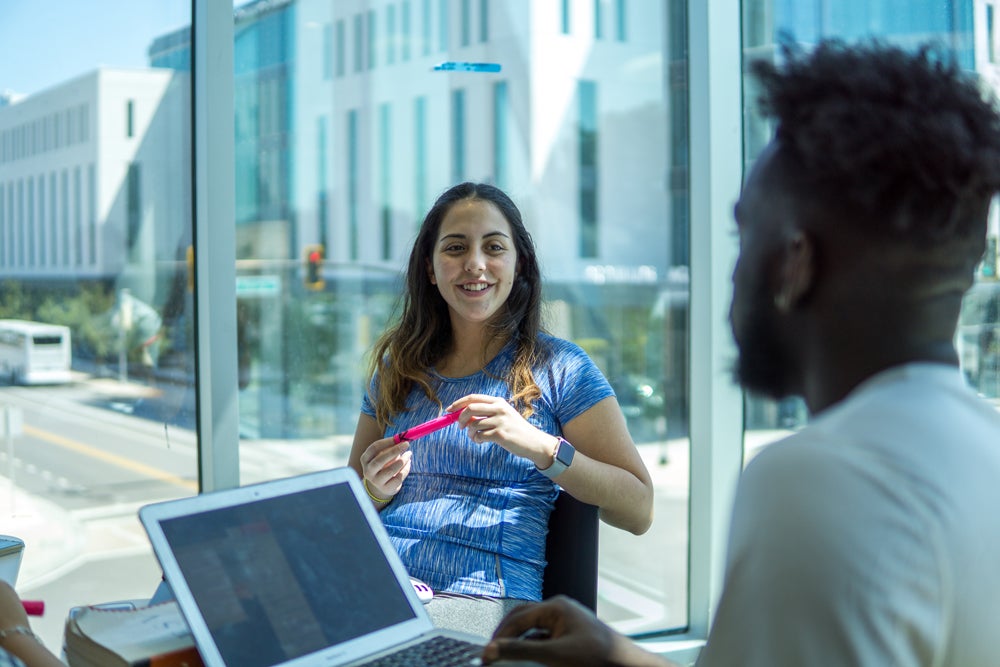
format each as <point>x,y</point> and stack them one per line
<point>475,262</point>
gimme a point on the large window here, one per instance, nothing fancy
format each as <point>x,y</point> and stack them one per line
<point>588,136</point>
<point>966,30</point>
<point>321,133</point>
<point>95,227</point>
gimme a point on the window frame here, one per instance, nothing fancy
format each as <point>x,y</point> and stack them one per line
<point>715,104</point>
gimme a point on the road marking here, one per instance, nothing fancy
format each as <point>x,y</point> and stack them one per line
<point>108,457</point>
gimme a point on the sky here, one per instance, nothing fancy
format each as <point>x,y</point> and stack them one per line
<point>47,42</point>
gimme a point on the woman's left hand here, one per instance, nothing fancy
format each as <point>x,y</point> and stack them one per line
<point>492,419</point>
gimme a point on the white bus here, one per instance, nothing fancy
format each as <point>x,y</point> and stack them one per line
<point>34,353</point>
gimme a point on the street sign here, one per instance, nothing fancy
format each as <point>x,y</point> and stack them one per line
<point>257,286</point>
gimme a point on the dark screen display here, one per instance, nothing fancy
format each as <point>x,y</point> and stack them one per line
<point>283,577</point>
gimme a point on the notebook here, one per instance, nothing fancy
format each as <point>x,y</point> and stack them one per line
<point>292,572</point>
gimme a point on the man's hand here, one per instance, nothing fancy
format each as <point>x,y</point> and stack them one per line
<point>576,638</point>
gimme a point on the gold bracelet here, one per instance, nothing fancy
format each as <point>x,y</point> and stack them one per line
<point>19,630</point>
<point>380,501</point>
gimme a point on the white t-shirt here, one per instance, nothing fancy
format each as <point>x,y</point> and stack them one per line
<point>871,537</point>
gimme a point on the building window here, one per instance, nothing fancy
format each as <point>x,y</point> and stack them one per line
<point>352,183</point>
<point>420,153</point>
<point>84,125</point>
<point>466,21</point>
<point>341,56</point>
<point>32,228</point>
<point>67,233</point>
<point>390,34</point>
<point>425,27</point>
<point>21,226</point>
<point>372,31</point>
<point>92,213</point>
<point>500,132</point>
<point>598,19</point>
<point>484,20</point>
<point>359,42</point>
<point>564,16</point>
<point>129,121</point>
<point>443,18</point>
<point>404,29</point>
<point>587,141</point>
<point>327,52</point>
<point>132,202</point>
<point>385,178</point>
<point>43,237</point>
<point>321,179</point>
<point>53,221</point>
<point>133,207</point>
<point>4,237</point>
<point>991,38</point>
<point>457,135</point>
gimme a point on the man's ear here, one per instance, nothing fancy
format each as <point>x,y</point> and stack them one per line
<point>797,270</point>
<point>430,272</point>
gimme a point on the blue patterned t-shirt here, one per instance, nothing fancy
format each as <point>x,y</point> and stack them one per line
<point>471,517</point>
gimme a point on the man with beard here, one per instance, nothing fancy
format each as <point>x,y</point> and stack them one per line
<point>870,537</point>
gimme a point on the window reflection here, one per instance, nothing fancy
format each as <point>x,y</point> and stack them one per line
<point>588,136</point>
<point>95,223</point>
<point>966,28</point>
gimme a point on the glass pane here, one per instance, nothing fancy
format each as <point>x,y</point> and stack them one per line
<point>950,24</point>
<point>334,175</point>
<point>97,389</point>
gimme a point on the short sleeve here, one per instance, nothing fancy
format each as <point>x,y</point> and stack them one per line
<point>577,384</point>
<point>366,401</point>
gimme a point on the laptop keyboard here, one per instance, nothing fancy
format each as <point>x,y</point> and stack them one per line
<point>436,651</point>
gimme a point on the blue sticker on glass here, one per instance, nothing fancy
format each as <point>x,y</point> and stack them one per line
<point>452,66</point>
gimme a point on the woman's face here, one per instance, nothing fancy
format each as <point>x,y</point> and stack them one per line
<point>474,261</point>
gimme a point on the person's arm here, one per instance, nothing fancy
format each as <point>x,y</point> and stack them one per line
<point>381,464</point>
<point>573,637</point>
<point>606,471</point>
<point>17,637</point>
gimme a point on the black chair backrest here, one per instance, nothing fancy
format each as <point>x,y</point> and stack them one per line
<point>571,551</point>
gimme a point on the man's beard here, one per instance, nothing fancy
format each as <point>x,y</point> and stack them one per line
<point>763,364</point>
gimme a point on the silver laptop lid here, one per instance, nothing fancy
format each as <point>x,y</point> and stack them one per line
<point>291,572</point>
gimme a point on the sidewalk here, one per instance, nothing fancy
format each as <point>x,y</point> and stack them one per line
<point>53,538</point>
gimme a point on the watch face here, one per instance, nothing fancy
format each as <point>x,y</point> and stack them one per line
<point>564,453</point>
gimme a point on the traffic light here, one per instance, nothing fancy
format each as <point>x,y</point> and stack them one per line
<point>314,267</point>
<point>189,259</point>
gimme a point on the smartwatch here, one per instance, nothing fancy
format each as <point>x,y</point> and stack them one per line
<point>562,460</point>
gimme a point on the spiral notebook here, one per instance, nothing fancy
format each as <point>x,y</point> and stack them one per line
<point>293,572</point>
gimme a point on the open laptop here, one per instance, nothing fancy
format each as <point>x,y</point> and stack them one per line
<point>292,572</point>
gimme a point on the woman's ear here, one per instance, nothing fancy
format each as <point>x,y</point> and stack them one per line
<point>430,272</point>
<point>797,270</point>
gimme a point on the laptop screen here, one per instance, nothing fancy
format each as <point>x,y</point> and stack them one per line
<point>285,576</point>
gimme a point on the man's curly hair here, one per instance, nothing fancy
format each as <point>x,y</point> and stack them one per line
<point>903,142</point>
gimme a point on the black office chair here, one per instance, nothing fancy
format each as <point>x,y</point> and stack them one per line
<point>571,551</point>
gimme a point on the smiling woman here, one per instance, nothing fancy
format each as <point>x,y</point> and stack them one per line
<point>467,506</point>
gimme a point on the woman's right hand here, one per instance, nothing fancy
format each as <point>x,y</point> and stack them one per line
<point>385,465</point>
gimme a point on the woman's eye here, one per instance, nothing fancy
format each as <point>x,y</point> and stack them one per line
<point>453,248</point>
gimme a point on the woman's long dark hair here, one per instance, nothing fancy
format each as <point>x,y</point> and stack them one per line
<point>406,352</point>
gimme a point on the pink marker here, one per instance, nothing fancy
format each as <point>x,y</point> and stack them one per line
<point>33,607</point>
<point>427,428</point>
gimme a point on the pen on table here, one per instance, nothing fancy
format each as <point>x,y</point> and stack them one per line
<point>33,607</point>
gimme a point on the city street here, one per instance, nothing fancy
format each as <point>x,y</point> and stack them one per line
<point>71,484</point>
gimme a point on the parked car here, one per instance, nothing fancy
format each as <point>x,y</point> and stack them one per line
<point>978,338</point>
